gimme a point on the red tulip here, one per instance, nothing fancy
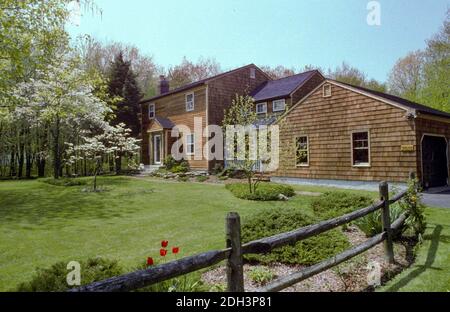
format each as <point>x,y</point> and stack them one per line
<point>149,261</point>
<point>164,244</point>
<point>175,250</point>
<point>163,252</point>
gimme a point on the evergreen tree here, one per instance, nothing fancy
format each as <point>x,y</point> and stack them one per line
<point>123,84</point>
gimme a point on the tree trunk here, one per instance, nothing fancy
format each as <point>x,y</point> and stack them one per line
<point>12,164</point>
<point>118,164</point>
<point>28,165</point>
<point>21,160</point>
<point>56,154</point>
<point>40,163</point>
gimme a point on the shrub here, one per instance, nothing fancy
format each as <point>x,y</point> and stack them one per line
<point>372,225</point>
<point>175,166</point>
<point>65,181</point>
<point>217,169</point>
<point>261,275</point>
<point>264,191</point>
<point>278,220</point>
<point>412,203</point>
<point>202,178</point>
<point>54,278</point>
<point>334,204</point>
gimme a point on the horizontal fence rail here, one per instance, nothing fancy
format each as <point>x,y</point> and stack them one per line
<point>235,250</point>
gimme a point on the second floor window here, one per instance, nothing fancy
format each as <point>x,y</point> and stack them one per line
<point>261,108</point>
<point>279,105</point>
<point>190,144</point>
<point>151,111</point>
<point>189,102</point>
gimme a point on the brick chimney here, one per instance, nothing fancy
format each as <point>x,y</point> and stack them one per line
<point>163,85</point>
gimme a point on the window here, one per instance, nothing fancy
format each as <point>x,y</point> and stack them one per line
<point>327,90</point>
<point>189,102</point>
<point>360,149</point>
<point>279,105</point>
<point>302,151</point>
<point>252,73</point>
<point>261,108</point>
<point>190,144</point>
<point>151,111</point>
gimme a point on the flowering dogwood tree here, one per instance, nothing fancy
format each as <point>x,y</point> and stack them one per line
<point>111,141</point>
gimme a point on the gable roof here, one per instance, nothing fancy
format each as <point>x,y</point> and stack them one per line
<point>165,123</point>
<point>199,83</point>
<point>280,88</point>
<point>400,101</point>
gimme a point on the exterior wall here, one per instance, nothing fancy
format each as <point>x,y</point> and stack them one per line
<point>174,107</point>
<point>222,91</point>
<point>434,126</point>
<point>329,122</point>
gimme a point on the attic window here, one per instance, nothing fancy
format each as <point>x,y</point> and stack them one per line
<point>252,73</point>
<point>327,90</point>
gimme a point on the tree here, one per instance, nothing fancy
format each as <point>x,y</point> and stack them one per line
<point>123,83</point>
<point>242,114</point>
<point>99,146</point>
<point>188,72</point>
<point>405,79</point>
<point>278,72</point>
<point>62,99</point>
<point>352,75</point>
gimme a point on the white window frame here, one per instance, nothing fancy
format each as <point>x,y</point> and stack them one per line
<point>190,144</point>
<point>361,165</point>
<point>190,102</point>
<point>307,150</point>
<point>150,111</point>
<point>276,102</point>
<point>265,108</point>
<point>325,87</point>
<point>252,73</point>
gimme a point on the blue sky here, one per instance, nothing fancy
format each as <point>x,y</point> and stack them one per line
<point>269,32</point>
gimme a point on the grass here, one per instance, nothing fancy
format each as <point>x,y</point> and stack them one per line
<point>41,224</point>
<point>431,270</point>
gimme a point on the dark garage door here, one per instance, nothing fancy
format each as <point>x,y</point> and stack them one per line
<point>434,161</point>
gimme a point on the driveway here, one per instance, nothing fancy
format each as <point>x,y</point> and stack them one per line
<point>441,199</point>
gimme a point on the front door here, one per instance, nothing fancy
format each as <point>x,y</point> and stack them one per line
<point>434,161</point>
<point>157,149</point>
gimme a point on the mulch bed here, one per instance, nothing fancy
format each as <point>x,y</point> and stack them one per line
<point>351,276</point>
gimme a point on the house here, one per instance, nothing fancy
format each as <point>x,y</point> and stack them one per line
<point>204,102</point>
<point>329,130</point>
<point>344,132</point>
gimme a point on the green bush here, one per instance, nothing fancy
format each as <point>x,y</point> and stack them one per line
<point>54,278</point>
<point>279,220</point>
<point>175,166</point>
<point>261,275</point>
<point>170,162</point>
<point>65,181</point>
<point>334,204</point>
<point>264,191</point>
<point>372,225</point>
<point>202,178</point>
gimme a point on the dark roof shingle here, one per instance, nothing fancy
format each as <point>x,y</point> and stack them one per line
<point>281,87</point>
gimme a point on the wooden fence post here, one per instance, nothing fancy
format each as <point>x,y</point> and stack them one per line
<point>235,267</point>
<point>386,220</point>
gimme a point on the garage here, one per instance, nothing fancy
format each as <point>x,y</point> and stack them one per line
<point>434,161</point>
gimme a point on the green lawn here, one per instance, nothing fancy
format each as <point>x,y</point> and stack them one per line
<point>41,224</point>
<point>431,271</point>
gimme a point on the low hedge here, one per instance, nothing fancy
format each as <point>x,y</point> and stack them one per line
<point>54,278</point>
<point>65,181</point>
<point>264,191</point>
<point>279,220</point>
<point>334,204</point>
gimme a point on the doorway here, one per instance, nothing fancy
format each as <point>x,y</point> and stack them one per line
<point>434,161</point>
<point>157,149</point>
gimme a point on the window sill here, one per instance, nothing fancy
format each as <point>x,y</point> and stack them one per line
<point>302,166</point>
<point>362,166</point>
